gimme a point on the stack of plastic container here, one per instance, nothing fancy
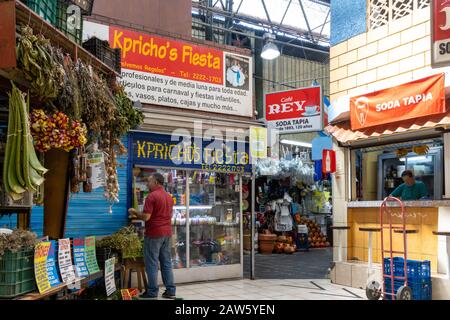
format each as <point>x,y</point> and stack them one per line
<point>419,277</point>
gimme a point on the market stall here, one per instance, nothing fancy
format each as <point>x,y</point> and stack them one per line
<point>383,152</point>
<point>293,201</point>
<point>207,217</point>
<point>64,116</point>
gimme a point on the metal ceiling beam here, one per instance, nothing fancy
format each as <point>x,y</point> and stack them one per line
<point>258,37</point>
<point>267,15</point>
<point>325,22</point>
<point>292,31</point>
<point>307,22</point>
<point>284,15</point>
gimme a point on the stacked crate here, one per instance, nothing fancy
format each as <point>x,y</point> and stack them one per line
<point>102,50</point>
<point>16,273</point>
<point>44,8</point>
<point>64,21</point>
<point>419,277</point>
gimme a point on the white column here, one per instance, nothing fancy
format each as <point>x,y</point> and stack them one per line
<point>370,250</point>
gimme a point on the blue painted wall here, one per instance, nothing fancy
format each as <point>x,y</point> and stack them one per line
<point>88,213</point>
<point>348,19</point>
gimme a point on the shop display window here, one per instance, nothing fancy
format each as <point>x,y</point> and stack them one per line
<point>214,214</point>
<point>175,184</point>
<point>207,215</point>
<point>377,170</point>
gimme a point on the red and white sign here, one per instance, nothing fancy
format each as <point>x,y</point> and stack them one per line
<point>175,73</point>
<point>328,161</point>
<point>411,100</point>
<point>298,110</point>
<point>440,38</point>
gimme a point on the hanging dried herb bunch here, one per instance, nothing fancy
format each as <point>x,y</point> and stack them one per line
<point>69,99</point>
<point>35,57</point>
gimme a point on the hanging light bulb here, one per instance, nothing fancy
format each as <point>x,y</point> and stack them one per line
<point>270,50</point>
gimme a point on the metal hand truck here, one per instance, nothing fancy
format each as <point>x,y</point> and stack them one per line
<point>374,290</point>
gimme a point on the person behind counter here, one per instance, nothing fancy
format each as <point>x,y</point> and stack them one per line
<point>410,189</point>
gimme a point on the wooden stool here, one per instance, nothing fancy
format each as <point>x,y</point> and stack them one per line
<point>134,265</point>
<point>447,235</point>
<point>340,228</point>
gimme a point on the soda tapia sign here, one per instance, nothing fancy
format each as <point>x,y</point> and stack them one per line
<point>440,33</point>
<point>162,71</point>
<point>298,110</point>
<point>408,101</point>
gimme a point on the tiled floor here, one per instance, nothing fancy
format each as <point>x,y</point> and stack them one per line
<point>313,264</point>
<point>269,289</point>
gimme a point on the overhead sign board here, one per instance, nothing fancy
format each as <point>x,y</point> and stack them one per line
<point>298,110</point>
<point>410,100</point>
<point>440,33</point>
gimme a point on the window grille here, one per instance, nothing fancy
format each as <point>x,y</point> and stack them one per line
<point>384,11</point>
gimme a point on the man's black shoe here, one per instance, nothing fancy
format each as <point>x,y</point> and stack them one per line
<point>145,296</point>
<point>167,295</point>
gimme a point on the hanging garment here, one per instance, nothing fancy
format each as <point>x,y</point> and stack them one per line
<point>283,218</point>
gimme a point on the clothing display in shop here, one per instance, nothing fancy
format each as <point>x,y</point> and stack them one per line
<point>283,219</point>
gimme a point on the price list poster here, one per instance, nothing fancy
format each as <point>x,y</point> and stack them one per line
<point>40,266</point>
<point>79,257</point>
<point>91,258</point>
<point>66,267</point>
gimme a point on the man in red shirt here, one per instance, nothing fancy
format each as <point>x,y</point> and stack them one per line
<point>158,236</point>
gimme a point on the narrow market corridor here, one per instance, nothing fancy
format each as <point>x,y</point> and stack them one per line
<point>312,264</point>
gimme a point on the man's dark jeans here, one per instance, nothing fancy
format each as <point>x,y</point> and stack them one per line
<point>158,249</point>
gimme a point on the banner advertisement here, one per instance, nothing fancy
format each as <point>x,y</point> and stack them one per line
<point>298,110</point>
<point>440,33</point>
<point>174,73</point>
<point>411,100</point>
<point>258,142</point>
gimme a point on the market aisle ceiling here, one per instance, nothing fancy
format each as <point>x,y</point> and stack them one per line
<point>300,19</point>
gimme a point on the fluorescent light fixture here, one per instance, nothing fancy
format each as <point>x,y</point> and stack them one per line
<point>192,207</point>
<point>414,159</point>
<point>297,143</point>
<point>270,50</point>
<point>418,158</point>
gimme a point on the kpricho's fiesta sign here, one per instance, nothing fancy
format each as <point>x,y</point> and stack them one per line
<point>298,110</point>
<point>162,71</point>
<point>411,100</point>
<point>180,152</point>
<point>440,32</point>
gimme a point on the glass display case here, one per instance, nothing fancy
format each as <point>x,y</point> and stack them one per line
<point>175,184</point>
<point>206,214</point>
<point>214,214</point>
<point>426,168</point>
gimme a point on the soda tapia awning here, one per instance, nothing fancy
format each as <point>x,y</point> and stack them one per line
<point>421,126</point>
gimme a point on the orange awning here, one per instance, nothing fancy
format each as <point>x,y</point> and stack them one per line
<point>343,133</point>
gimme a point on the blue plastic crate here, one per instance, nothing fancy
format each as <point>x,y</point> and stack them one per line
<point>418,271</point>
<point>420,290</point>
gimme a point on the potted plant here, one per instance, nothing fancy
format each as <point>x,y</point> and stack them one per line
<point>266,241</point>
